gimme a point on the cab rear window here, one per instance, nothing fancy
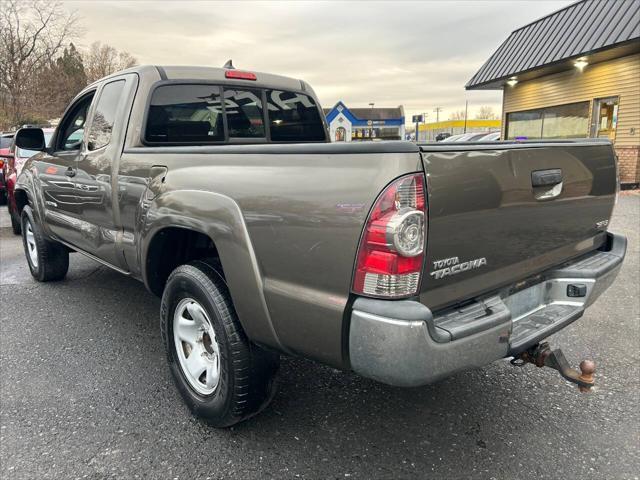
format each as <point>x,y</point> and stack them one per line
<point>293,117</point>
<point>185,114</point>
<point>198,114</point>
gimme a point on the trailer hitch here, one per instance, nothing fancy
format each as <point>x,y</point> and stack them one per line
<point>541,355</point>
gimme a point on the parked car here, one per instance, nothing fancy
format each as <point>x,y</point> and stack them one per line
<point>453,138</point>
<point>14,160</point>
<point>442,136</point>
<point>473,137</point>
<point>220,190</point>
<point>5,143</point>
<point>490,137</point>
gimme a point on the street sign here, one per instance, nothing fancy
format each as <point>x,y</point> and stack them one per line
<point>417,119</point>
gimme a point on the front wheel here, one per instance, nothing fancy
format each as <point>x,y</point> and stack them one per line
<point>222,376</point>
<point>48,260</point>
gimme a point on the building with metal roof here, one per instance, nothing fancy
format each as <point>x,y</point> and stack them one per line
<point>573,73</point>
<point>353,124</point>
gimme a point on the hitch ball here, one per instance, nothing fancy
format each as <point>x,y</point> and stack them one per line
<point>587,369</point>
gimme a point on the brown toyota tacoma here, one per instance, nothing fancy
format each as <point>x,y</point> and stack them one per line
<point>219,189</point>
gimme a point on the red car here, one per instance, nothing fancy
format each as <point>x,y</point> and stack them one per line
<point>6,139</point>
<point>13,159</point>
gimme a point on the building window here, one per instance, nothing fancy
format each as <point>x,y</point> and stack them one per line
<point>341,134</point>
<point>560,121</point>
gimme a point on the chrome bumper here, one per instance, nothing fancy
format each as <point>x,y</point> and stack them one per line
<point>403,343</point>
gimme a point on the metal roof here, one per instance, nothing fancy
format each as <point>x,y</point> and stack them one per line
<point>579,29</point>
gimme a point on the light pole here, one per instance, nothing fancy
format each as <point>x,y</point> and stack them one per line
<point>371,104</point>
<point>424,122</point>
<point>466,109</point>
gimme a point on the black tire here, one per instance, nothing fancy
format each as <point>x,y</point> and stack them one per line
<point>52,257</point>
<point>247,372</point>
<point>16,225</point>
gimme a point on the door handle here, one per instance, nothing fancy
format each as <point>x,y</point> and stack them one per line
<point>546,178</point>
<point>70,172</point>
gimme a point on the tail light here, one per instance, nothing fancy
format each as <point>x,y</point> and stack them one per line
<point>391,251</point>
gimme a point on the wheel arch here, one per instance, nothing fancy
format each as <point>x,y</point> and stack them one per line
<point>201,218</point>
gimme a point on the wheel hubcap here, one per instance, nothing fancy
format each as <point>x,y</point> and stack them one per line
<point>32,248</point>
<point>196,346</point>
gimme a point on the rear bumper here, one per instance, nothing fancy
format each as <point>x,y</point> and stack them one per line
<point>403,343</point>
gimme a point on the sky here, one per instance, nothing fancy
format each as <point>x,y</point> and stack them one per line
<point>415,54</point>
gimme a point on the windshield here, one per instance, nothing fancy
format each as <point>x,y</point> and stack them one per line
<point>5,141</point>
<point>22,153</point>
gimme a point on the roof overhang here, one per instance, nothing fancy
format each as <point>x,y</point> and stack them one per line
<point>593,57</point>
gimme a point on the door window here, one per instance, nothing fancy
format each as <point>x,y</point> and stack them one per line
<point>605,118</point>
<point>102,124</point>
<point>72,125</point>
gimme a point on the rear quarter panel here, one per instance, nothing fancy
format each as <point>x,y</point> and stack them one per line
<point>304,207</point>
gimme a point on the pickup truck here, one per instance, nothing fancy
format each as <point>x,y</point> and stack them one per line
<point>220,190</point>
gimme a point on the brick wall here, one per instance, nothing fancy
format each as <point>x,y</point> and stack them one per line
<point>629,164</point>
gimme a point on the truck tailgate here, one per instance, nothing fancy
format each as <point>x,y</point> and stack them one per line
<point>500,213</point>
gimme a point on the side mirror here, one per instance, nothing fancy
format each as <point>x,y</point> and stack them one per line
<point>31,139</point>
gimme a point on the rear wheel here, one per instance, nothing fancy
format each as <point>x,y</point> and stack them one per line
<point>48,260</point>
<point>222,376</point>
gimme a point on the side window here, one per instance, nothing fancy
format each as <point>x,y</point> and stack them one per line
<point>72,128</point>
<point>243,109</point>
<point>102,124</point>
<point>294,117</point>
<point>71,131</point>
<point>184,114</point>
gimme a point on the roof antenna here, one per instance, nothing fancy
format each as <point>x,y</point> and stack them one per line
<point>229,65</point>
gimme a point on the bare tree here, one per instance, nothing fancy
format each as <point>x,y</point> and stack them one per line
<point>457,115</point>
<point>486,112</point>
<point>102,60</point>
<point>31,35</point>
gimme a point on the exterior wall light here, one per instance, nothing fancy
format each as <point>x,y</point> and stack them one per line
<point>512,81</point>
<point>580,63</point>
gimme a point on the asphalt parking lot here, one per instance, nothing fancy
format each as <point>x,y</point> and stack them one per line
<point>85,393</point>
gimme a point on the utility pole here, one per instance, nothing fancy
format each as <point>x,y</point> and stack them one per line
<point>437,110</point>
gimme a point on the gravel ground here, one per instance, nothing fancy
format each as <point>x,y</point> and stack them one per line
<point>85,393</point>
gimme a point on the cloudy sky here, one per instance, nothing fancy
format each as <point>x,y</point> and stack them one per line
<point>416,54</point>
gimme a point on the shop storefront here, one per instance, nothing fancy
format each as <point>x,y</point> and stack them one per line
<point>572,83</point>
<point>365,124</point>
